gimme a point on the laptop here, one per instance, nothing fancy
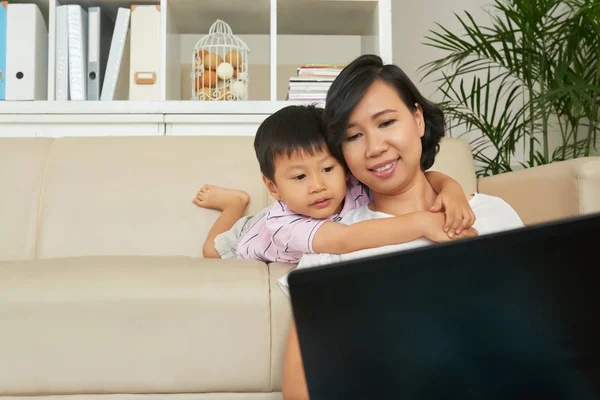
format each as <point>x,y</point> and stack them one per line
<point>510,315</point>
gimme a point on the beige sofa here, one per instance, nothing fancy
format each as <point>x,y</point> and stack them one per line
<point>103,291</point>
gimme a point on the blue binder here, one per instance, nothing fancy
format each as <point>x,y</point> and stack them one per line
<point>3,7</point>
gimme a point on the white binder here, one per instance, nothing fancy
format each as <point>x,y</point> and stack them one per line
<point>145,53</point>
<point>26,53</point>
<point>61,61</point>
<point>77,26</point>
<point>116,78</point>
<point>100,31</point>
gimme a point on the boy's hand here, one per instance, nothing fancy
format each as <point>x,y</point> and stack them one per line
<point>453,202</point>
<point>433,223</point>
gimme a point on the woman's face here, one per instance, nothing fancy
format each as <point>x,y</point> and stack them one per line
<point>382,146</point>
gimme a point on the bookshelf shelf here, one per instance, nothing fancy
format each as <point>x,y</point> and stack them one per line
<point>281,35</point>
<point>140,107</point>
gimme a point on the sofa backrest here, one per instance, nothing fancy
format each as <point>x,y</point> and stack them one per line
<point>133,195</point>
<point>22,165</point>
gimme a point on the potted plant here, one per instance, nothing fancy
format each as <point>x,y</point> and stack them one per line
<point>530,75</point>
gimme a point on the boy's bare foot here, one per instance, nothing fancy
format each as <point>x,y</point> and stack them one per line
<point>219,198</point>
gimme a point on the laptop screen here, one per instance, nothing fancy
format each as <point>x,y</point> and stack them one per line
<point>505,316</point>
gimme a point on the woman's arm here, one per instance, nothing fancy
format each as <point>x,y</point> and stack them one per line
<point>294,380</point>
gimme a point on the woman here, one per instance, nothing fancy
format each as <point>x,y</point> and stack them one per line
<point>388,134</point>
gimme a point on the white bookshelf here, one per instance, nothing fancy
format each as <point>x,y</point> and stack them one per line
<point>281,35</point>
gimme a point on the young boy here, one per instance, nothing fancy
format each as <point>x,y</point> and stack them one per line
<point>312,192</point>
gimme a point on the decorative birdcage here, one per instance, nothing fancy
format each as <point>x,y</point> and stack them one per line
<point>220,65</point>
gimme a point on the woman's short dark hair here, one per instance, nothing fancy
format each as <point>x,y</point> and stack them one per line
<point>348,89</point>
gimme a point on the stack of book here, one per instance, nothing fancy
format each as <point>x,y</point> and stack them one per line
<point>311,82</point>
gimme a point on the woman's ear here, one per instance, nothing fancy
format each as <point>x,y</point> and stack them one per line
<point>420,119</point>
<point>272,188</point>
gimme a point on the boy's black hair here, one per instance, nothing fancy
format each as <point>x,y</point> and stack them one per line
<point>290,129</point>
<point>348,89</point>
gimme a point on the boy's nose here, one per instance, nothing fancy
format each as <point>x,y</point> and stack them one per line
<point>317,185</point>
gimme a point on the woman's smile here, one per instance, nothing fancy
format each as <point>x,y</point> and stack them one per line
<point>385,169</point>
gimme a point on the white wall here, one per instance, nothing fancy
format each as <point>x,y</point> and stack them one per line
<point>412,21</point>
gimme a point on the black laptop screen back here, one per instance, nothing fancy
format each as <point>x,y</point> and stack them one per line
<point>507,316</point>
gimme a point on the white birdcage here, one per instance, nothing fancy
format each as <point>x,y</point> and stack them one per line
<point>220,65</point>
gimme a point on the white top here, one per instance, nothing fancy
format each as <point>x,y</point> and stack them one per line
<point>492,215</point>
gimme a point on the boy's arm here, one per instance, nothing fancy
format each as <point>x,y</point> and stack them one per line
<point>452,200</point>
<point>337,238</point>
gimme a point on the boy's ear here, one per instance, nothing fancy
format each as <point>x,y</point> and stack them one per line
<point>271,187</point>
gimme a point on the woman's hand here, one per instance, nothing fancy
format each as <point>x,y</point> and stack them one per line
<point>455,205</point>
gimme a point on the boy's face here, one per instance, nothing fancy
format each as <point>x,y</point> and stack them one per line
<point>314,186</point>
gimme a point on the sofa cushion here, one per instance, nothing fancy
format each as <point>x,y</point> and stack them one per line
<point>134,325</point>
<point>456,160</point>
<point>22,163</point>
<point>549,192</point>
<point>133,195</point>
<point>281,317</point>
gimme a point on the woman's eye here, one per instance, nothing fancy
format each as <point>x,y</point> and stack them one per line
<point>299,177</point>
<point>327,169</point>
<point>387,123</point>
<point>353,137</point>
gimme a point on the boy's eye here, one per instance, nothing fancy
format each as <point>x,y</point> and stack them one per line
<point>299,177</point>
<point>327,169</point>
<point>353,137</point>
<point>387,123</point>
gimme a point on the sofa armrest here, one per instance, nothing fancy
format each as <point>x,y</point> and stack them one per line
<point>549,192</point>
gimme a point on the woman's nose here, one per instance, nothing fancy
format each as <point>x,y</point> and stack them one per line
<point>375,145</point>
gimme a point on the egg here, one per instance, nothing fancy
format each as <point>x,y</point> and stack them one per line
<point>238,89</point>
<point>224,94</point>
<point>200,54</point>
<point>209,79</point>
<point>198,83</point>
<point>199,66</point>
<point>234,58</point>
<point>212,61</point>
<point>204,93</point>
<point>224,71</point>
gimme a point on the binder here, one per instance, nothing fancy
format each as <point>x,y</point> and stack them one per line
<point>116,78</point>
<point>145,53</point>
<point>100,30</point>
<point>61,61</point>
<point>3,6</point>
<point>77,26</point>
<point>26,53</point>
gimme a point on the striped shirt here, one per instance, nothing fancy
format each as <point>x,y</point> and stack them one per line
<point>281,235</point>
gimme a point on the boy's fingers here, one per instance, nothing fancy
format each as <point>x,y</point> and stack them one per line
<point>469,233</point>
<point>466,223</point>
<point>449,220</point>
<point>457,221</point>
